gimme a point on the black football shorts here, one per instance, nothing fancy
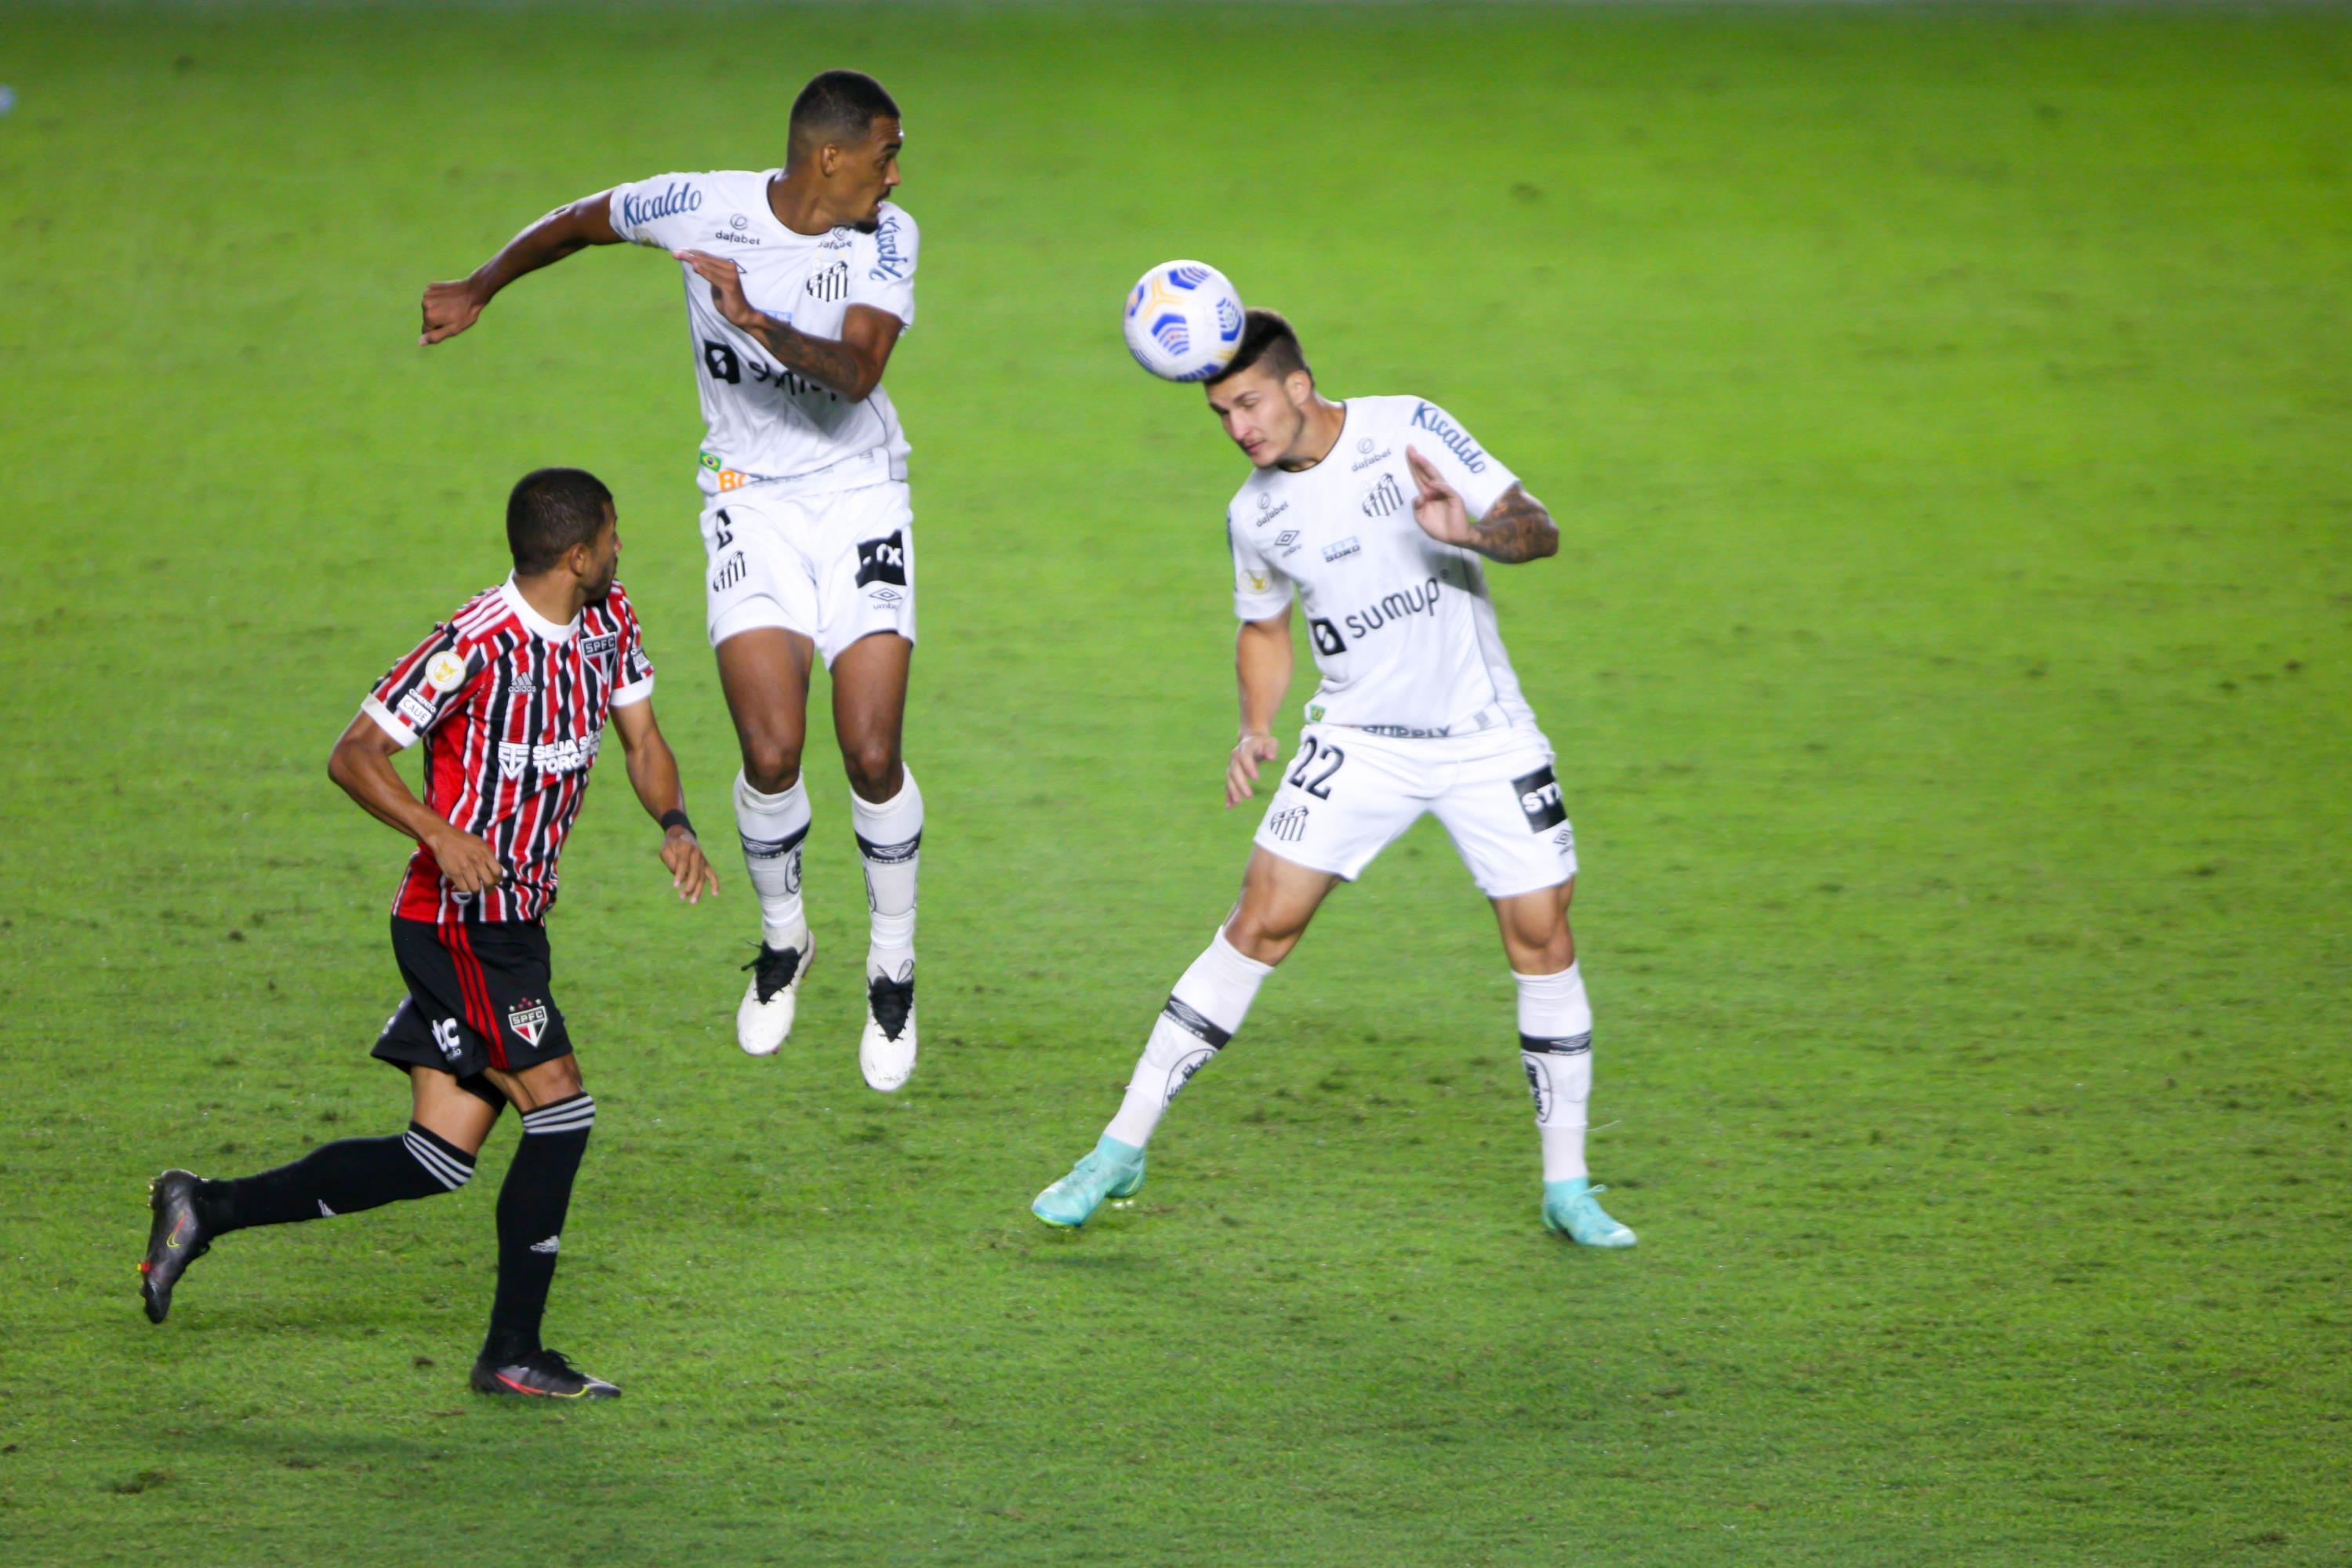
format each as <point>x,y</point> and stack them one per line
<point>479,997</point>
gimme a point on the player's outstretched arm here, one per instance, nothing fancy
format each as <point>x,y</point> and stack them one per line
<point>361,763</point>
<point>450,308</point>
<point>653,774</point>
<point>1262,671</point>
<point>851,364</point>
<point>1515,528</point>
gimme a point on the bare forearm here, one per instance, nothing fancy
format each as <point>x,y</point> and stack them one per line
<point>653,774</point>
<point>1261,671</point>
<point>369,779</point>
<point>569,229</point>
<point>830,362</point>
<point>1515,528</point>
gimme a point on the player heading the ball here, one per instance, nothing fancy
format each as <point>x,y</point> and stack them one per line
<point>798,283</point>
<point>1375,514</point>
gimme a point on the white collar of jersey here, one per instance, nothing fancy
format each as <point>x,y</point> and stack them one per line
<point>539,625</point>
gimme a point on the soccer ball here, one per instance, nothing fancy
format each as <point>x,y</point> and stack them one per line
<point>1183,321</point>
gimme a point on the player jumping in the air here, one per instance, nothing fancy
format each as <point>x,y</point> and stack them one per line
<point>798,282</point>
<point>509,698</point>
<point>1376,511</point>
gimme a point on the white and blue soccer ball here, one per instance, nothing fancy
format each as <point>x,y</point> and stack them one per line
<point>1183,321</point>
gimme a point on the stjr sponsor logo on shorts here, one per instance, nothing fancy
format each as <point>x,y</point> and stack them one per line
<point>883,559</point>
<point>1539,795</point>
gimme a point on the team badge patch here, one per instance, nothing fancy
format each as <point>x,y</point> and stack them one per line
<point>445,670</point>
<point>527,1019</point>
<point>1539,795</point>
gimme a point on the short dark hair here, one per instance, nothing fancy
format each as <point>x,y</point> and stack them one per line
<point>1267,337</point>
<point>837,105</point>
<point>551,509</point>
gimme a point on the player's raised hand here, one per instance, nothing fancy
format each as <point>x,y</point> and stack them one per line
<point>1438,509</point>
<point>450,309</point>
<point>726,280</point>
<point>1241,768</point>
<point>467,864</point>
<point>689,873</point>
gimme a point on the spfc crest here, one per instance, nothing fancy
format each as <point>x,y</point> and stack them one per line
<point>527,1019</point>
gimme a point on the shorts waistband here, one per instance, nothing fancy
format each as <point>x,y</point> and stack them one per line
<point>1485,721</point>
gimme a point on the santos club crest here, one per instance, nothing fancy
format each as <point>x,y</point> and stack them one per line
<point>527,1019</point>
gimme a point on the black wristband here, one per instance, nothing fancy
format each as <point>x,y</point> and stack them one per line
<point>676,817</point>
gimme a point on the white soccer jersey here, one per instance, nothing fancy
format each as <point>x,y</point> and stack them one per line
<point>1403,630</point>
<point>768,423</point>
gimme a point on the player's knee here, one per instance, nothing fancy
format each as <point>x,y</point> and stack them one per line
<point>770,766</point>
<point>1260,939</point>
<point>873,766</point>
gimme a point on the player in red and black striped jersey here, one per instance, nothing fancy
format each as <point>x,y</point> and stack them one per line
<point>510,697</point>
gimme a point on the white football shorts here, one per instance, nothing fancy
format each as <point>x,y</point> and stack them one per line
<point>834,567</point>
<point>1346,794</point>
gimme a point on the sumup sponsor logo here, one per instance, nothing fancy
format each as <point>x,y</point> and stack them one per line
<point>1452,436</point>
<point>1419,599</point>
<point>677,197</point>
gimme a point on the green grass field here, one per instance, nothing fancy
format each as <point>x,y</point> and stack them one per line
<point>1950,659</point>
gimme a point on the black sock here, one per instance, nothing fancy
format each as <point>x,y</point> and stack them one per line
<point>338,1178</point>
<point>531,1206</point>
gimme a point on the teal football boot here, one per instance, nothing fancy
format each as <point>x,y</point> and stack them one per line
<point>1113,1170</point>
<point>1573,1208</point>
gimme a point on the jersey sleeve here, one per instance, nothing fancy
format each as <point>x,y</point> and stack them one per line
<point>664,211</point>
<point>633,677</point>
<point>1260,590</point>
<point>428,684</point>
<point>884,278</point>
<point>1469,467</point>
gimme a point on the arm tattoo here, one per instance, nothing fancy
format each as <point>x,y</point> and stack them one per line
<point>827,360</point>
<point>1515,528</point>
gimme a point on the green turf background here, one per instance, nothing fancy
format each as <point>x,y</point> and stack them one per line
<point>1947,414</point>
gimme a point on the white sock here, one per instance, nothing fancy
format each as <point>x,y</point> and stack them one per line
<point>1204,1012</point>
<point>1556,1045</point>
<point>890,838</point>
<point>772,828</point>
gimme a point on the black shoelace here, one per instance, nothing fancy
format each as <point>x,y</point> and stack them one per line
<point>893,1002</point>
<point>776,969</point>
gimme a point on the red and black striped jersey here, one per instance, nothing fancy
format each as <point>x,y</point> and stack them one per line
<point>512,709</point>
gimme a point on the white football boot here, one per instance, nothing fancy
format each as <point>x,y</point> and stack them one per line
<point>764,1020</point>
<point>887,1053</point>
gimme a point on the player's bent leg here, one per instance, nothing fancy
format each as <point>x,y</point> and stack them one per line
<point>870,704</point>
<point>1207,1007</point>
<point>764,672</point>
<point>558,1115</point>
<point>435,1156</point>
<point>1556,1050</point>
